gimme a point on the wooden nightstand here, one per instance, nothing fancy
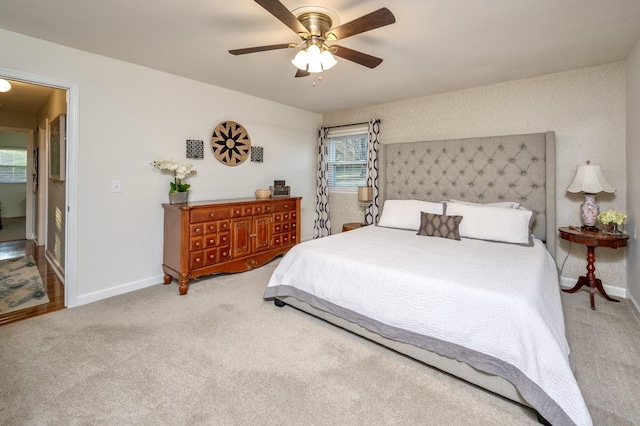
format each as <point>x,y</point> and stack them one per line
<point>351,226</point>
<point>592,239</point>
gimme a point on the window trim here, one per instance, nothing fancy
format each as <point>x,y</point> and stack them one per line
<point>26,166</point>
<point>341,132</point>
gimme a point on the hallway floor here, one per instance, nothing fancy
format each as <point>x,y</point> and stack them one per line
<point>55,287</point>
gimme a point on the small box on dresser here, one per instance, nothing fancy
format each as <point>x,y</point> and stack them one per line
<point>208,237</point>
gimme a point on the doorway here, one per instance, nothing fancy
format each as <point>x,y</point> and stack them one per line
<point>61,244</point>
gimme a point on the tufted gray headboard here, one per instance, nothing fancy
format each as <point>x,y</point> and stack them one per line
<point>501,168</point>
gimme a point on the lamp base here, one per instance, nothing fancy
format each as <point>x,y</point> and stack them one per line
<point>589,211</point>
<point>589,228</point>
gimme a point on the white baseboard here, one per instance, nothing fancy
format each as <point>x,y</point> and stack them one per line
<point>634,302</point>
<point>118,290</point>
<point>54,264</point>
<point>611,290</point>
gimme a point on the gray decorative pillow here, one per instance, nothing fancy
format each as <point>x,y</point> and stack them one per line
<point>439,225</point>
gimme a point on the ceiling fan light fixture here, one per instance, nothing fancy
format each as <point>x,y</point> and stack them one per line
<point>301,61</point>
<point>327,60</point>
<point>5,86</point>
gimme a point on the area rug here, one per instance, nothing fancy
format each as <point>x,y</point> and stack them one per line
<point>20,285</point>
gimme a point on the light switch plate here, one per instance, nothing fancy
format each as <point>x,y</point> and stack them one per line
<point>116,185</point>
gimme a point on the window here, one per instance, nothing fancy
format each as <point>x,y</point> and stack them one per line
<point>347,158</point>
<point>13,165</point>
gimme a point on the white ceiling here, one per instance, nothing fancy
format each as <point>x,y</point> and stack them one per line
<point>434,46</point>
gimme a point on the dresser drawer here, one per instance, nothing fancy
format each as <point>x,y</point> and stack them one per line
<point>196,230</point>
<point>195,243</point>
<point>210,228</point>
<point>196,259</point>
<point>209,214</point>
<point>223,238</point>
<point>239,211</point>
<point>259,209</point>
<point>281,206</point>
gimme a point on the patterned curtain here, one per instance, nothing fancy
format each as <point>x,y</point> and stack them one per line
<point>372,213</point>
<point>322,225</point>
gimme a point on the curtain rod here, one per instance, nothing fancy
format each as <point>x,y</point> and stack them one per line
<point>346,125</point>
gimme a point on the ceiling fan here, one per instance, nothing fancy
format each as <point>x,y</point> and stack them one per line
<point>315,26</point>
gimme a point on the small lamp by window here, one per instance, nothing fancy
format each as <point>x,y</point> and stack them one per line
<point>590,180</point>
<point>365,197</point>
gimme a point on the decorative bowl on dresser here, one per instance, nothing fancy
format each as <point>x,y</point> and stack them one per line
<point>236,235</point>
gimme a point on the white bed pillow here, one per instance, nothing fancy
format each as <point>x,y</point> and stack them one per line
<point>502,204</point>
<point>405,214</point>
<point>499,224</point>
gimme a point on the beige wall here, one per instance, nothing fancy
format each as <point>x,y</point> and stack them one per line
<point>22,120</point>
<point>586,109</point>
<point>56,189</point>
<point>128,116</point>
<point>633,172</point>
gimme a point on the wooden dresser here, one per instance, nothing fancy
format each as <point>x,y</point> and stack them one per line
<point>207,237</point>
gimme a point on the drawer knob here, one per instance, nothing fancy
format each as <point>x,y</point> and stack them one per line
<point>212,214</point>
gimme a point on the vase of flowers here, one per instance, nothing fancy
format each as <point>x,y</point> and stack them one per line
<point>178,191</point>
<point>612,221</point>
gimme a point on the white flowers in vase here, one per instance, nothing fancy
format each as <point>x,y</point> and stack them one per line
<point>179,172</point>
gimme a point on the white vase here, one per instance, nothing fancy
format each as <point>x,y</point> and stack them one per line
<point>178,197</point>
<point>589,211</point>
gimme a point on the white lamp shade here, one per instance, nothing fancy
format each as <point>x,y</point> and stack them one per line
<point>590,179</point>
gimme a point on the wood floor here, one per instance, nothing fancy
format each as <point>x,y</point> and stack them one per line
<point>55,287</point>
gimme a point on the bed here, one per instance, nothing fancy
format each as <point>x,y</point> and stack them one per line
<point>484,307</point>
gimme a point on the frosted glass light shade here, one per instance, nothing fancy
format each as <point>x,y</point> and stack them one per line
<point>5,86</point>
<point>327,60</point>
<point>301,61</point>
<point>313,54</point>
<point>312,59</point>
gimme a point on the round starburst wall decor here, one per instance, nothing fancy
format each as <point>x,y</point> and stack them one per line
<point>230,143</point>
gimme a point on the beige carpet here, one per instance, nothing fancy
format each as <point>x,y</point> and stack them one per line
<point>20,285</point>
<point>223,356</point>
<point>13,228</point>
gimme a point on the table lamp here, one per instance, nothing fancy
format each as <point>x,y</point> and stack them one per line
<point>589,180</point>
<point>365,197</point>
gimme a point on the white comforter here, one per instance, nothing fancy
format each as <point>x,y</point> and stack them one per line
<point>495,306</point>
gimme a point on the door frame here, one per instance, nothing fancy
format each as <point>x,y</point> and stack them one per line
<point>71,182</point>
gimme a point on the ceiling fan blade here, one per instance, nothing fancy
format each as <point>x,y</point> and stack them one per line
<point>373,20</point>
<point>302,73</point>
<point>357,57</point>
<point>261,48</point>
<point>280,11</point>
